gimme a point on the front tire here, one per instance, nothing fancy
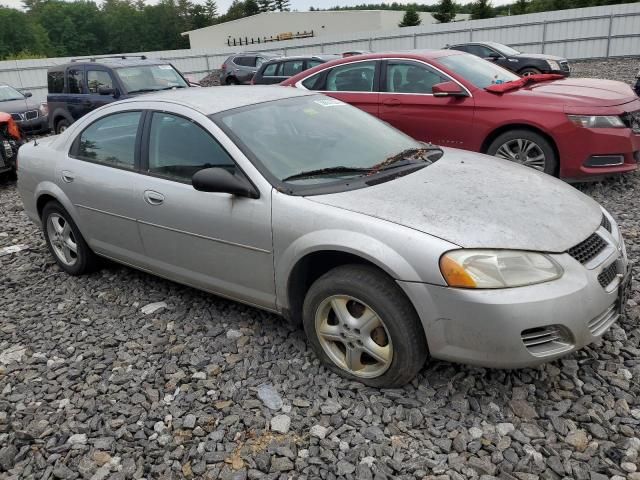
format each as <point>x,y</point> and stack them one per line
<point>232,81</point>
<point>61,126</point>
<point>526,148</point>
<point>65,241</point>
<point>363,327</point>
<point>525,72</point>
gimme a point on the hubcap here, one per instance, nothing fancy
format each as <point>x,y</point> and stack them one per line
<point>524,152</point>
<point>354,336</point>
<point>62,239</point>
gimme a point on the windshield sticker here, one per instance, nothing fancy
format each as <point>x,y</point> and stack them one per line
<point>165,67</point>
<point>329,102</point>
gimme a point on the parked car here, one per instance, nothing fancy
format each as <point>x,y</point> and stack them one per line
<point>78,87</point>
<point>240,68</point>
<point>279,69</point>
<point>637,86</point>
<point>10,140</point>
<point>29,115</point>
<point>572,128</point>
<point>518,62</point>
<point>353,53</point>
<point>386,249</point>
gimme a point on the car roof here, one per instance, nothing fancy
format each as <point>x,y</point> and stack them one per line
<point>210,100</point>
<point>491,44</point>
<point>111,62</point>
<point>327,57</point>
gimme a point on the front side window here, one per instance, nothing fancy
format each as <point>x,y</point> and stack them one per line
<point>314,63</point>
<point>55,82</point>
<point>353,77</point>
<point>481,51</point>
<point>178,148</point>
<point>97,79</point>
<point>292,68</point>
<point>110,141</point>
<point>74,80</point>
<point>291,136</point>
<point>409,77</point>
<point>150,78</point>
<point>476,70</point>
<point>270,70</point>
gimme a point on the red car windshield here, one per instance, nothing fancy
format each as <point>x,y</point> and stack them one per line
<point>479,72</point>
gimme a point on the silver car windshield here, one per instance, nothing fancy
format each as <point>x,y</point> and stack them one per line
<point>150,78</point>
<point>307,134</point>
<point>8,93</point>
<point>479,72</point>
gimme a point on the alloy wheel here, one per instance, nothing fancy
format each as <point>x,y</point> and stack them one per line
<point>62,239</point>
<point>354,336</point>
<point>523,151</point>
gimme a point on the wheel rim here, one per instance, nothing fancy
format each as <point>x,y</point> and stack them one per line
<point>523,151</point>
<point>528,73</point>
<point>62,128</point>
<point>354,336</point>
<point>62,239</point>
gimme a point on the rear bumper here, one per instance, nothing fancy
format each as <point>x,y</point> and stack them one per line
<point>514,328</point>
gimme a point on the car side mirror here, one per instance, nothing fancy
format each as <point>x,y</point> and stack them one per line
<point>220,180</point>
<point>27,94</point>
<point>448,89</point>
<point>106,91</point>
<point>493,57</point>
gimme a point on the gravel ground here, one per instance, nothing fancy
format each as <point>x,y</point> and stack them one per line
<point>199,387</point>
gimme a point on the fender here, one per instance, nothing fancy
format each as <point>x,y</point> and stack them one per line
<point>57,114</point>
<point>53,190</point>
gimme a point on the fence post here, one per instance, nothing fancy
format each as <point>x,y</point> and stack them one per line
<point>370,44</point>
<point>609,35</point>
<point>415,40</point>
<point>544,36</point>
<point>471,34</point>
<point>206,57</point>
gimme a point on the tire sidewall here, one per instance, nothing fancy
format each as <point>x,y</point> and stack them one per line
<point>389,310</point>
<point>551,166</point>
<point>60,124</point>
<point>82,264</point>
<point>529,71</point>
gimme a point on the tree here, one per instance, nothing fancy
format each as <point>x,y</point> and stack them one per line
<point>445,11</point>
<point>520,7</point>
<point>211,9</point>
<point>283,5</point>
<point>251,7</point>
<point>411,17</point>
<point>266,5</point>
<point>482,9</point>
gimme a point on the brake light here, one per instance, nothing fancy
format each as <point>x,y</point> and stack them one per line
<point>224,67</point>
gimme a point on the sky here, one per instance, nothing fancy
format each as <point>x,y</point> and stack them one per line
<point>302,5</point>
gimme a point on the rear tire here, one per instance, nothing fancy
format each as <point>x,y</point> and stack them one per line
<point>62,125</point>
<point>526,148</point>
<point>65,242</point>
<point>525,72</point>
<point>232,81</point>
<point>363,327</point>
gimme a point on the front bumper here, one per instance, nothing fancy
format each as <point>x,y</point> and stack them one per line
<point>37,125</point>
<point>525,326</point>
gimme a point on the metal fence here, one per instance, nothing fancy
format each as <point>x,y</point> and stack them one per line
<point>595,32</point>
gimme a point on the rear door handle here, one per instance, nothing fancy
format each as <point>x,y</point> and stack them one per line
<point>392,102</point>
<point>67,176</point>
<point>153,198</point>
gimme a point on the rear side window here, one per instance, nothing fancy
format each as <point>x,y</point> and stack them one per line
<point>353,77</point>
<point>97,79</point>
<point>245,61</point>
<point>109,141</point>
<point>270,70</point>
<point>178,148</point>
<point>292,68</point>
<point>74,80</point>
<point>55,82</point>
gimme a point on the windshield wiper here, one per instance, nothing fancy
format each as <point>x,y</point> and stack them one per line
<point>170,88</point>
<point>429,153</point>
<point>326,171</point>
<point>144,90</point>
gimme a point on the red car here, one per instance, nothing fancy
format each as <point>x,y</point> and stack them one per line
<point>571,128</point>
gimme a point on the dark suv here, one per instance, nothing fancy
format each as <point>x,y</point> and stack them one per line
<point>83,85</point>
<point>240,68</point>
<point>279,69</point>
<point>518,62</point>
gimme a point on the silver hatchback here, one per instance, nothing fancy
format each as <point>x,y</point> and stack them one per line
<point>387,250</point>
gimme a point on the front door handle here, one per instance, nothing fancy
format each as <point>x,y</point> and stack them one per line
<point>391,102</point>
<point>153,198</point>
<point>67,176</point>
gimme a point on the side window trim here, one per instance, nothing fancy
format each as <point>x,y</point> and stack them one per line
<point>321,84</point>
<point>67,73</point>
<point>145,147</point>
<point>75,145</point>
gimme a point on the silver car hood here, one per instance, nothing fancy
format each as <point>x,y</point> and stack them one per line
<point>477,201</point>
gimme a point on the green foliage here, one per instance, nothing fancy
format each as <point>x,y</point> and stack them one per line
<point>445,11</point>
<point>411,18</point>
<point>283,5</point>
<point>211,9</point>
<point>482,9</point>
<point>267,5</point>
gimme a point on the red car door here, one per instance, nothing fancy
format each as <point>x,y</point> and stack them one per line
<point>407,103</point>
<point>355,83</point>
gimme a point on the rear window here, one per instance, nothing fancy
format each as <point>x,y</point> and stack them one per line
<point>55,82</point>
<point>74,80</point>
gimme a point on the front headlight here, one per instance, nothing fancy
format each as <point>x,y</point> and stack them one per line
<point>553,65</point>
<point>497,268</point>
<point>597,121</point>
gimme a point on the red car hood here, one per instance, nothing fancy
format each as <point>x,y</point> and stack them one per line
<point>579,92</point>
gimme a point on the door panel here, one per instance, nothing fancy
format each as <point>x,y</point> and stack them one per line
<point>214,241</point>
<point>407,103</point>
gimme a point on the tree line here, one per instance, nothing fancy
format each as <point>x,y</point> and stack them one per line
<point>58,28</point>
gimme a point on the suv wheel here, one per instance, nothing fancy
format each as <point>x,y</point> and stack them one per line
<point>62,125</point>
<point>65,241</point>
<point>526,148</point>
<point>363,327</point>
<point>232,81</point>
<point>529,71</point>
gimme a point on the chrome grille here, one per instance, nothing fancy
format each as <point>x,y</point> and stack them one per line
<point>564,65</point>
<point>31,114</point>
<point>588,249</point>
<point>632,120</point>
<point>606,223</point>
<point>608,275</point>
<point>602,322</point>
<point>544,341</point>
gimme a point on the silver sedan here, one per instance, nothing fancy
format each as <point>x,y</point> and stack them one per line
<point>387,250</point>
